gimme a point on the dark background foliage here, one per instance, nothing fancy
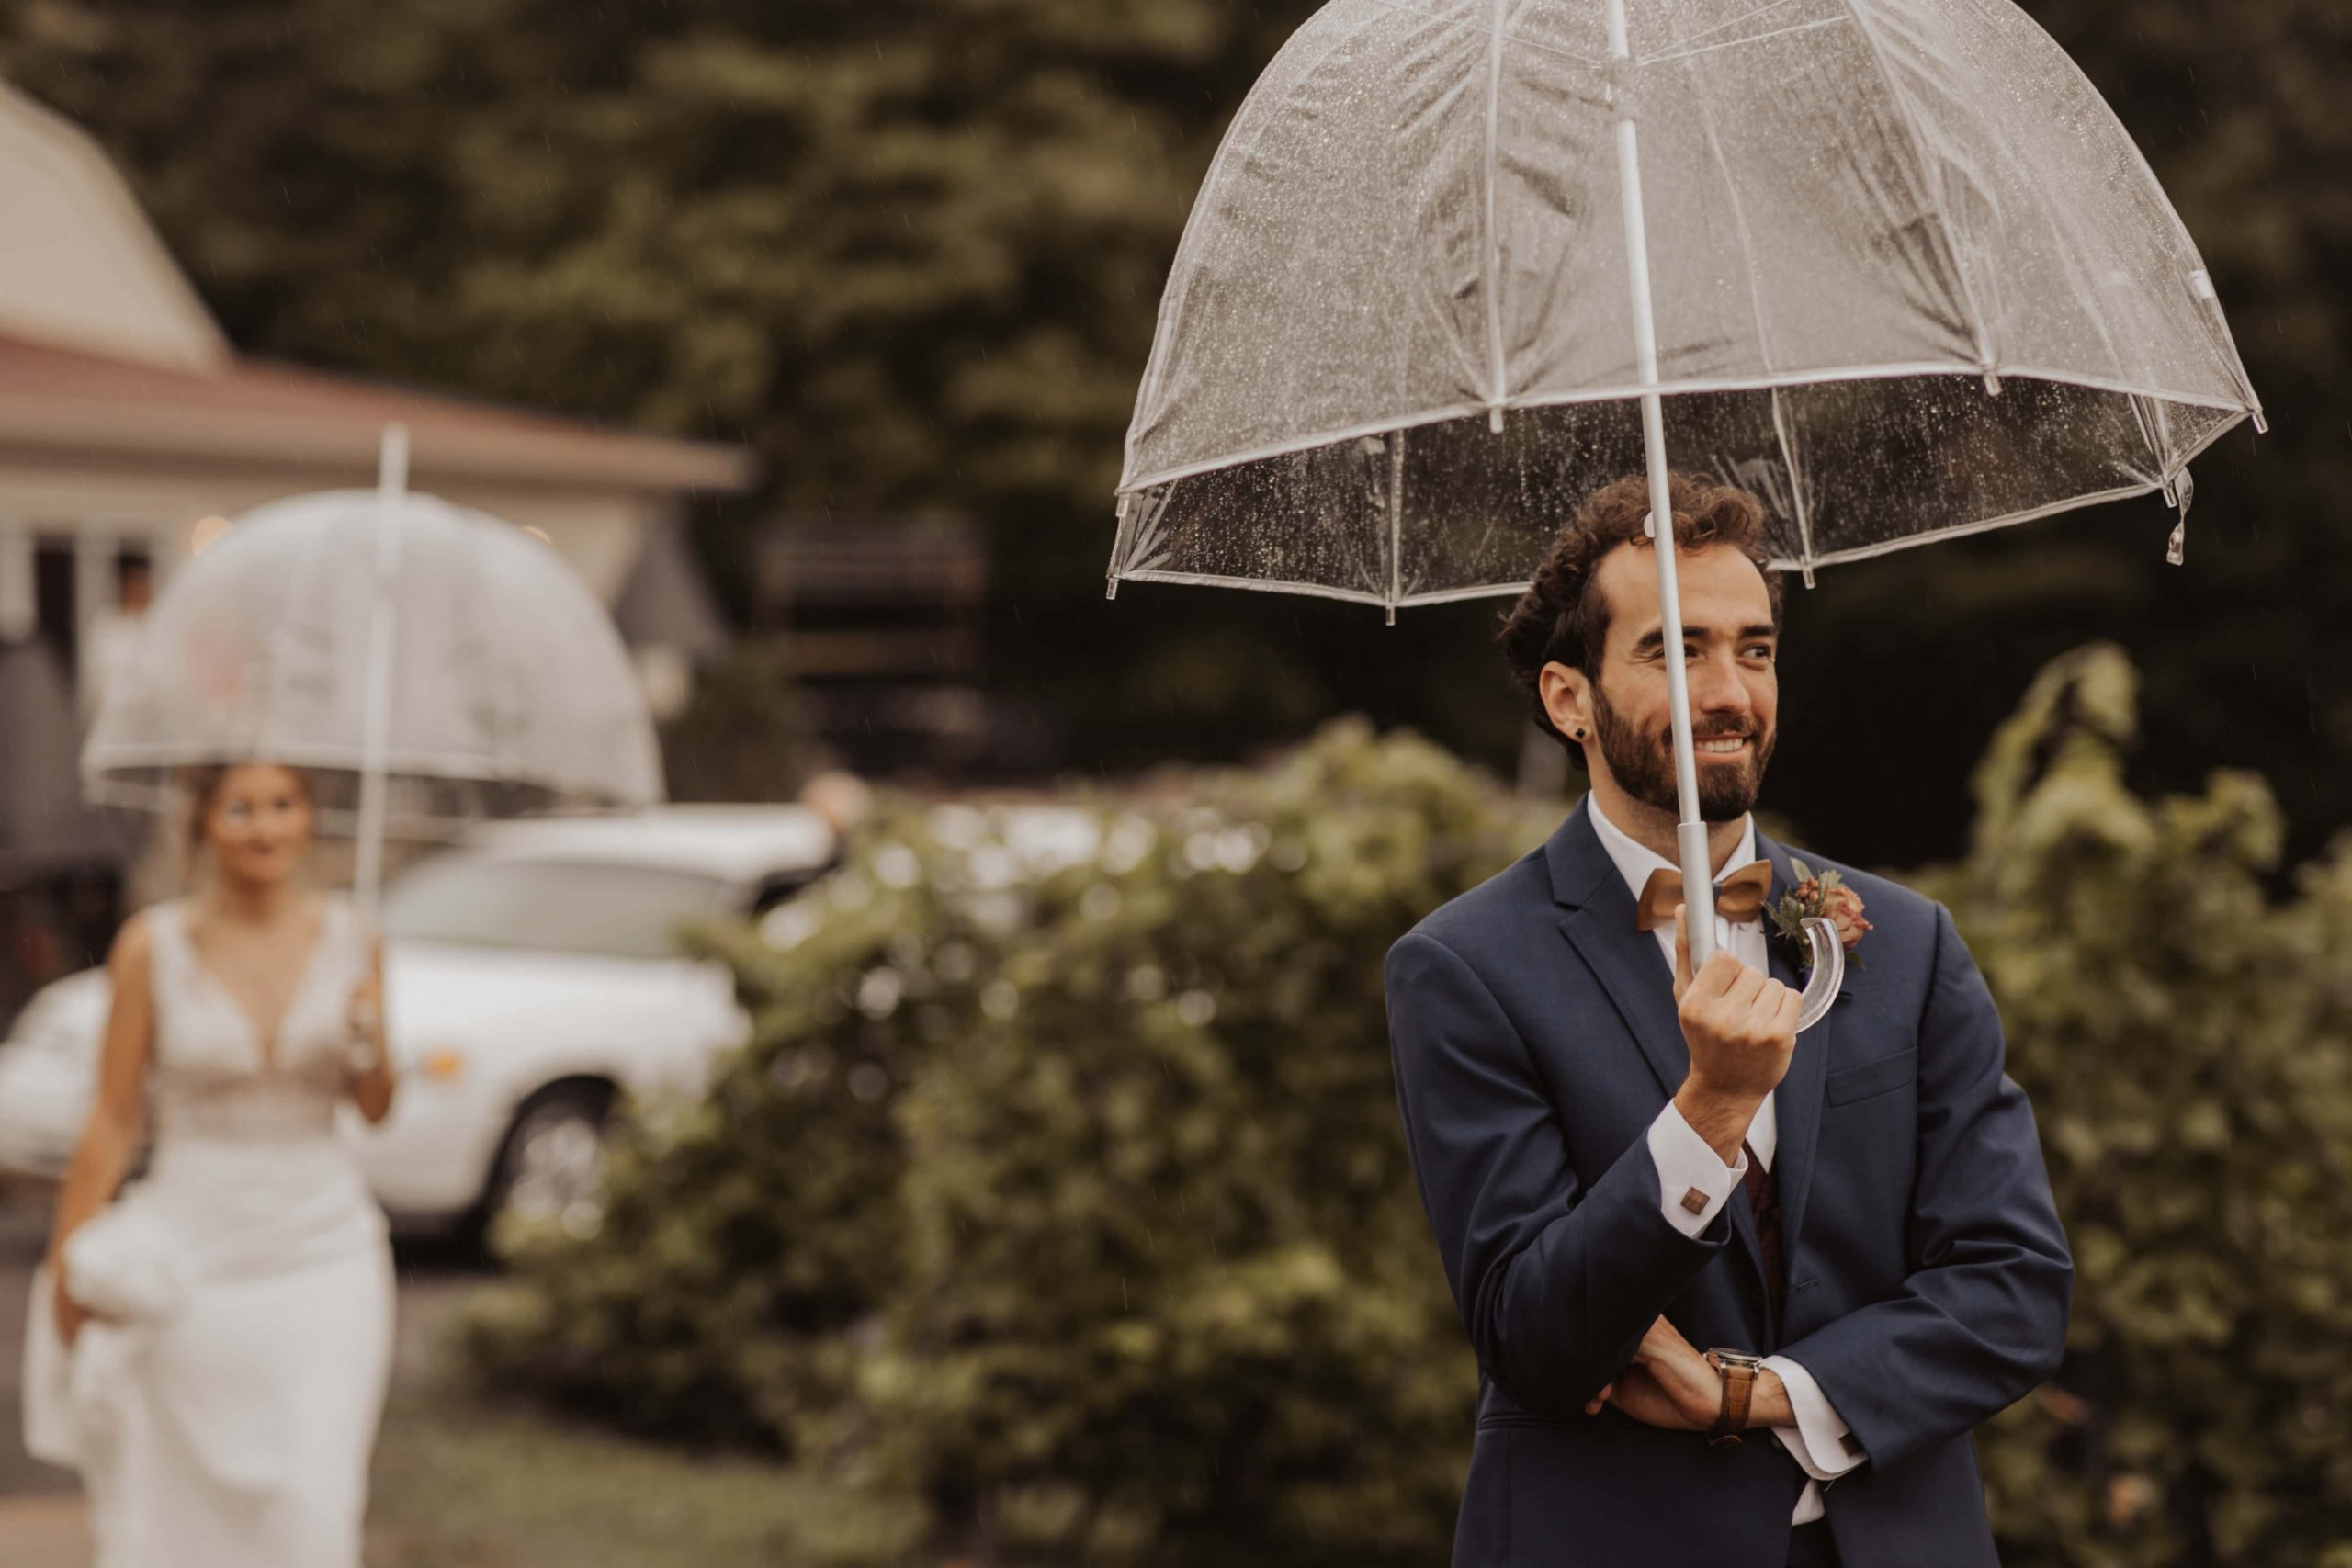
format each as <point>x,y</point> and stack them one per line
<point>910,252</point>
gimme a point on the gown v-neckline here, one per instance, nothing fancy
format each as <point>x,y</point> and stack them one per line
<point>265,1045</point>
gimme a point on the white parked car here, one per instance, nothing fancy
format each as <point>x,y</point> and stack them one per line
<point>532,974</point>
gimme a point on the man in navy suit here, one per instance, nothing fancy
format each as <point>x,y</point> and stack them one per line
<point>1738,1296</point>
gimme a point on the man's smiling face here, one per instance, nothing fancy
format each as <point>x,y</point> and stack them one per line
<point>1729,644</point>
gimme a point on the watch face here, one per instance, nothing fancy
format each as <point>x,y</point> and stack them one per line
<point>1734,1359</point>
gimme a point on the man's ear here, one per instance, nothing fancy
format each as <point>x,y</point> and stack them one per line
<point>1567,698</point>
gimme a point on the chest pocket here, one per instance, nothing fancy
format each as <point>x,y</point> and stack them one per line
<point>1886,1074</point>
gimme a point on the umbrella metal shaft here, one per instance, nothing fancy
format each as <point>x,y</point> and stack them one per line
<point>367,877</point>
<point>1691,834</point>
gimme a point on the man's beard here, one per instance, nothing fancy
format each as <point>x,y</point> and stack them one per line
<point>1643,765</point>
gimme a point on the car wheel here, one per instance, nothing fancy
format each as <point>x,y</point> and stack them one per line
<point>551,1168</point>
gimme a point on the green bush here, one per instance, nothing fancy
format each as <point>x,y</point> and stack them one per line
<point>2187,1042</point>
<point>1062,1197</point>
<point>1062,1192</point>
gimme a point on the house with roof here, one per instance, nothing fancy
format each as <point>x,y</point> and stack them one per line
<point>130,429</point>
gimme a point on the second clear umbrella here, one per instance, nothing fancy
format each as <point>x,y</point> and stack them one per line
<point>427,664</point>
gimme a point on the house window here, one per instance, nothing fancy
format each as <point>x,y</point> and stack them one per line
<point>79,596</point>
<point>57,617</point>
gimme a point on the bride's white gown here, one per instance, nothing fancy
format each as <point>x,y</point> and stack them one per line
<point>238,1425</point>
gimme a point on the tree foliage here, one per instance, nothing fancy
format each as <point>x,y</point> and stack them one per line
<point>911,253</point>
<point>2187,1046</point>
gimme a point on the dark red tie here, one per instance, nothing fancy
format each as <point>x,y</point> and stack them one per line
<point>1764,1201</point>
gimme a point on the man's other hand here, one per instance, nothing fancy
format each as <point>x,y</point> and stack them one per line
<point>1670,1384</point>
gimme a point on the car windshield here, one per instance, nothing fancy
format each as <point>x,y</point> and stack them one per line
<point>617,911</point>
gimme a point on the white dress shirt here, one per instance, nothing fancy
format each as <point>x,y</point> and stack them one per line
<point>1686,1160</point>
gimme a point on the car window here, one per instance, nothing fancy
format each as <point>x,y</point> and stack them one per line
<point>618,911</point>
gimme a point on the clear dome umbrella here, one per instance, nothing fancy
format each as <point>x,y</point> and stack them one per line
<point>1891,264</point>
<point>427,665</point>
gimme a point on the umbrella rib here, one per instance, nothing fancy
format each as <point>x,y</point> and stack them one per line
<point>1747,16</point>
<point>1522,42</point>
<point>1988,356</point>
<point>1171,298</point>
<point>1599,64</point>
<point>2140,416</point>
<point>1744,42</point>
<point>1395,522</point>
<point>1985,524</point>
<point>1798,501</point>
<point>1498,385</point>
<point>2233,363</point>
<point>336,756</point>
<point>1627,394</point>
<point>1833,558</point>
<point>1319,591</point>
<point>1261,585</point>
<point>2066,245</point>
<point>1982,526</point>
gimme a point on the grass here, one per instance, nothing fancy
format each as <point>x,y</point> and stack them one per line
<point>459,1485</point>
<point>465,1481</point>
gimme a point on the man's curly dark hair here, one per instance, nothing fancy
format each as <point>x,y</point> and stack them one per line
<point>1560,619</point>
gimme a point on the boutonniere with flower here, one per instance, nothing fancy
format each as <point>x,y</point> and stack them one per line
<point>1818,896</point>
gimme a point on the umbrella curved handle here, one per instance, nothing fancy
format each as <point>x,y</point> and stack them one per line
<point>1829,972</point>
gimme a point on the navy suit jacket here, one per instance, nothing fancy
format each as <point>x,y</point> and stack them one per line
<point>1534,1036</point>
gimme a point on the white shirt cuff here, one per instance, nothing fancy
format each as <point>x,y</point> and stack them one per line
<point>1819,1441</point>
<point>1688,1164</point>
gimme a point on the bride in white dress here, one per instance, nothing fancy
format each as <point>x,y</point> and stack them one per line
<point>221,1331</point>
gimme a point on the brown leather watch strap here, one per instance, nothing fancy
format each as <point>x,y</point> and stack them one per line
<point>1739,1388</point>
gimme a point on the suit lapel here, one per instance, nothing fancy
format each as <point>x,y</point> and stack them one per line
<point>1627,962</point>
<point>1797,1103</point>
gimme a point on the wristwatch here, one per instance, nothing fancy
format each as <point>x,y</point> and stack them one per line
<point>1738,1370</point>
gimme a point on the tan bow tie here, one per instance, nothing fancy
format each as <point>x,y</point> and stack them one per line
<point>1739,896</point>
